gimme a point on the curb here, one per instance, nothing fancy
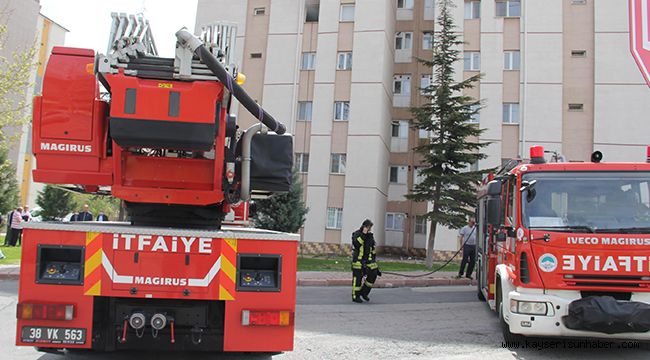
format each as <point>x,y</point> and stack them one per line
<point>9,276</point>
<point>392,283</point>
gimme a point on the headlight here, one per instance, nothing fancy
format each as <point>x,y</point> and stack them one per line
<point>528,307</point>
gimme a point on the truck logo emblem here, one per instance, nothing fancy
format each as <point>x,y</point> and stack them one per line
<point>547,262</point>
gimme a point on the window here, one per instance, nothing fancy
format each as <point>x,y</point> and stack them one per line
<point>423,134</point>
<point>402,84</point>
<point>427,41</point>
<point>418,177</point>
<point>579,53</point>
<point>511,113</point>
<point>395,221</point>
<point>508,8</point>
<point>398,174</point>
<point>472,9</point>
<point>403,40</point>
<point>259,11</point>
<point>400,129</point>
<point>472,61</point>
<point>334,218</point>
<point>312,8</point>
<point>302,162</point>
<point>425,82</point>
<point>578,2</point>
<point>511,60</point>
<point>341,110</point>
<point>405,4</point>
<point>304,110</point>
<point>420,225</point>
<point>429,4</point>
<point>347,12</point>
<point>256,55</point>
<point>344,61</point>
<point>476,118</point>
<point>473,167</point>
<point>308,61</point>
<point>337,165</point>
<point>576,107</point>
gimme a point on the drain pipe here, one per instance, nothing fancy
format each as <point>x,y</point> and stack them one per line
<point>247,139</point>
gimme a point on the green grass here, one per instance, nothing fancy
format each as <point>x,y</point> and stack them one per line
<point>12,254</point>
<point>338,263</point>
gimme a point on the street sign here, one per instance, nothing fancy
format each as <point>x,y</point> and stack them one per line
<point>640,35</point>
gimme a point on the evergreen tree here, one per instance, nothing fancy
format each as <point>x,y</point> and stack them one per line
<point>8,184</point>
<point>452,147</point>
<point>282,212</point>
<point>55,203</point>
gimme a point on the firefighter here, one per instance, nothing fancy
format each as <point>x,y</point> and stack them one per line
<point>364,262</point>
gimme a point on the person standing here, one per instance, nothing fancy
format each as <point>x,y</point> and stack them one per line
<point>364,262</point>
<point>102,217</point>
<point>16,226</point>
<point>467,235</point>
<point>26,214</point>
<point>85,215</point>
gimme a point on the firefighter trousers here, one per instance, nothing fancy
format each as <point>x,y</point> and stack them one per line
<point>363,280</point>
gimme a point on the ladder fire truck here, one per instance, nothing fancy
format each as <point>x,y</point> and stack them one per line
<point>157,133</point>
<point>564,248</point>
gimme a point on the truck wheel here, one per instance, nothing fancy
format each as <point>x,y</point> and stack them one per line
<point>479,286</point>
<point>508,337</point>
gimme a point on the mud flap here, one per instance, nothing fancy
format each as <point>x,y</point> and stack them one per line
<point>605,314</point>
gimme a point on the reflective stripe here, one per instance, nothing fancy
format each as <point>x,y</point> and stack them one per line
<point>372,266</point>
<point>360,240</point>
<point>356,265</point>
<point>368,284</point>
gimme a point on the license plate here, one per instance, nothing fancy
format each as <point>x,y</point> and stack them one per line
<point>50,335</point>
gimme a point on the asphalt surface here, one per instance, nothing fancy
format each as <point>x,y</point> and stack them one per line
<point>444,322</point>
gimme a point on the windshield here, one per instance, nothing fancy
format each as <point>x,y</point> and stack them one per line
<point>587,201</point>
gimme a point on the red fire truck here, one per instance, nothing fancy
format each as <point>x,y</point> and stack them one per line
<point>564,248</point>
<point>157,134</point>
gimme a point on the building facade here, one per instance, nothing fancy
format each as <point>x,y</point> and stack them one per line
<point>342,75</point>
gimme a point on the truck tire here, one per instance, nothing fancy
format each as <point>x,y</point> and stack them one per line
<point>508,337</point>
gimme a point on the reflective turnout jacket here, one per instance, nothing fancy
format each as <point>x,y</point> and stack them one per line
<point>363,252</point>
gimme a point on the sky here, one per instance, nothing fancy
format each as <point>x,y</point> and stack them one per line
<point>89,21</point>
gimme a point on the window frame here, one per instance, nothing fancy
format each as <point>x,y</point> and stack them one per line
<point>470,5</point>
<point>311,60</point>
<point>310,107</point>
<point>302,166</point>
<point>399,125</point>
<point>426,34</point>
<point>422,77</point>
<point>404,3</point>
<point>509,57</point>
<point>394,216</point>
<point>474,59</point>
<point>508,8</point>
<point>510,113</point>
<point>347,60</point>
<point>337,214</point>
<point>420,220</point>
<point>256,11</point>
<point>402,78</point>
<point>401,174</point>
<point>341,19</point>
<point>406,38</point>
<point>340,164</point>
<point>339,106</point>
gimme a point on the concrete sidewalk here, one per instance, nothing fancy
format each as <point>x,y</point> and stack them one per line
<point>331,278</point>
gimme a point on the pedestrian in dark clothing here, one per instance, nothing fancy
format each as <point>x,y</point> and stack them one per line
<point>468,237</point>
<point>102,217</point>
<point>364,262</point>
<point>85,215</point>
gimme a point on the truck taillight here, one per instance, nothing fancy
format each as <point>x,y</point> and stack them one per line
<point>648,154</point>
<point>28,311</point>
<point>266,318</point>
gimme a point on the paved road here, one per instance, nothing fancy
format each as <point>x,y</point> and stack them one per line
<point>404,323</point>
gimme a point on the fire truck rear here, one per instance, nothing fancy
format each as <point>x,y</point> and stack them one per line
<point>564,248</point>
<point>157,133</point>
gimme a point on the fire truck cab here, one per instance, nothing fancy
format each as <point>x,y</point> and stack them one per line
<point>564,248</point>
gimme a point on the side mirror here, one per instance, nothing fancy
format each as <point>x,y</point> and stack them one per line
<point>494,188</point>
<point>494,211</point>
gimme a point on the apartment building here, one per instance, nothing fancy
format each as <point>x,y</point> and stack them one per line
<point>342,75</point>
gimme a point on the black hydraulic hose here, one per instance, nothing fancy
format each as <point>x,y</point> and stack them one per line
<point>240,94</point>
